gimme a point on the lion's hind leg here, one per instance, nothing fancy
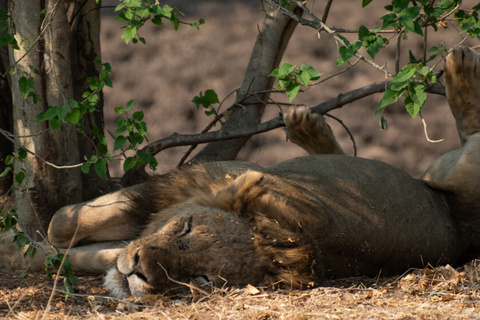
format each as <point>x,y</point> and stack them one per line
<point>462,77</point>
<point>456,174</point>
<point>310,131</point>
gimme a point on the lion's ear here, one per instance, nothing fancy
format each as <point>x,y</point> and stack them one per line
<point>239,195</point>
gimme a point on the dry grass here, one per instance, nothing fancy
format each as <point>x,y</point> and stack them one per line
<point>439,293</point>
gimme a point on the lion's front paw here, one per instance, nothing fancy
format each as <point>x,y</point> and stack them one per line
<point>310,131</point>
<point>462,77</point>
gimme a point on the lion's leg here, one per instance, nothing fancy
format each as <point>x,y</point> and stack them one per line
<point>98,220</point>
<point>457,173</point>
<point>310,131</point>
<point>96,258</point>
<point>462,79</point>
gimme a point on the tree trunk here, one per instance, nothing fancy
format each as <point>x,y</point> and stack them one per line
<point>266,55</point>
<point>44,41</point>
<point>84,20</point>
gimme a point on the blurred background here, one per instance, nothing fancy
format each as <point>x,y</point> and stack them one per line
<point>164,75</point>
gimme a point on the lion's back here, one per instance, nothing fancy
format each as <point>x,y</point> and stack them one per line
<point>380,207</point>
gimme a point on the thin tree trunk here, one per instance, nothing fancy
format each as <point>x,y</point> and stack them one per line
<point>84,20</point>
<point>266,55</point>
<point>44,189</point>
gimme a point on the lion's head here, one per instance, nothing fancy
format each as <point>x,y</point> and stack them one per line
<point>221,238</point>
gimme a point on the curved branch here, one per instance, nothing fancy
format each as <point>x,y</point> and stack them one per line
<point>176,140</point>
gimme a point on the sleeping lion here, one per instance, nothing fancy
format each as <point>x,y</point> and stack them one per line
<point>292,224</point>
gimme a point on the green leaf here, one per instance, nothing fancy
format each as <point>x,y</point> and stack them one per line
<point>407,19</point>
<point>416,99</point>
<point>206,100</point>
<point>292,90</point>
<point>130,105</point>
<point>405,74</point>
<point>129,34</point>
<point>314,74</point>
<point>157,20</point>
<point>5,172</point>
<point>21,240</point>
<point>399,5</point>
<point>366,3</point>
<point>119,143</point>
<point>26,85</point>
<point>389,97</point>
<point>423,70</point>
<point>102,145</point>
<point>212,96</point>
<point>412,108</point>
<point>148,158</point>
<point>101,168</point>
<point>129,163</point>
<point>74,116</point>
<point>303,77</point>
<point>363,32</point>
<point>9,159</point>
<point>120,7</point>
<point>85,167</point>
<point>121,126</point>
<point>138,115</point>
<point>54,123</point>
<point>142,127</point>
<point>348,52</point>
<point>284,71</point>
<point>118,110</point>
<point>21,154</point>
<point>20,176</point>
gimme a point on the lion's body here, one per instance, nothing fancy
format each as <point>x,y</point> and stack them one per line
<point>296,222</point>
<point>234,223</point>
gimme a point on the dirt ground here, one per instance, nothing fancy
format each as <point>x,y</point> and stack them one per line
<point>164,75</point>
<point>440,293</point>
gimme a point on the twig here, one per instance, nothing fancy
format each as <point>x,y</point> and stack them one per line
<point>217,118</point>
<point>59,271</point>
<point>327,10</point>
<point>191,287</point>
<point>425,131</point>
<point>318,24</point>
<point>348,132</point>
<point>43,28</point>
<point>9,136</point>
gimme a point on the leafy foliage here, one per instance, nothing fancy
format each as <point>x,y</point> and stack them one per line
<point>409,16</point>
<point>206,101</point>
<point>135,130</point>
<point>6,38</point>
<point>135,13</point>
<point>291,78</point>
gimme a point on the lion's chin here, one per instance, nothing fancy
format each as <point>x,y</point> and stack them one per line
<point>116,284</point>
<point>121,288</point>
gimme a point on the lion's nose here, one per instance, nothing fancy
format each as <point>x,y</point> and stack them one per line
<point>137,268</point>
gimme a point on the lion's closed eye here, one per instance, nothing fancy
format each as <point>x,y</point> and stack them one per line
<point>187,227</point>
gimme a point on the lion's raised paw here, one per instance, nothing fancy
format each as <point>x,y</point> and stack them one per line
<point>310,131</point>
<point>462,79</point>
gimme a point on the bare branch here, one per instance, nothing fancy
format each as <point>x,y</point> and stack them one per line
<point>176,140</point>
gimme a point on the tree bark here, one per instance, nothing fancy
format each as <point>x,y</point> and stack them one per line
<point>84,20</point>
<point>266,55</point>
<point>44,189</point>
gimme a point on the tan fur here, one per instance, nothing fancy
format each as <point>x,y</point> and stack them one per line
<point>462,77</point>
<point>457,173</point>
<point>310,131</point>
